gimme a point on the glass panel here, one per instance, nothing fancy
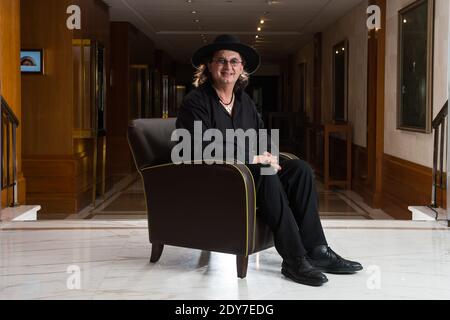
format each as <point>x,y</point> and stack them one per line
<point>180,94</point>
<point>86,114</point>
<point>157,112</point>
<point>165,114</point>
<point>83,118</point>
<point>101,89</point>
<point>89,81</point>
<point>340,81</point>
<point>302,87</point>
<point>77,83</point>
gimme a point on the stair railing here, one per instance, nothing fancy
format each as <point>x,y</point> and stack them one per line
<point>440,138</point>
<point>8,137</point>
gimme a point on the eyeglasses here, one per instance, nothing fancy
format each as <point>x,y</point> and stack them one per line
<point>234,62</point>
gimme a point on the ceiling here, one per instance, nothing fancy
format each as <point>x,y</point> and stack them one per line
<point>172,25</point>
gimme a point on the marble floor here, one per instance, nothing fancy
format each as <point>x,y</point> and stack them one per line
<point>103,253</point>
<point>94,259</point>
<point>127,202</point>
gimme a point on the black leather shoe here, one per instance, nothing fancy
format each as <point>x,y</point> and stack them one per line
<point>326,260</point>
<point>301,271</point>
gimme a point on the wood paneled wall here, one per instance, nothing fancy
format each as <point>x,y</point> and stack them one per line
<point>338,152</point>
<point>10,75</point>
<point>404,184</point>
<point>47,99</point>
<point>120,156</point>
<point>129,47</point>
<point>57,166</point>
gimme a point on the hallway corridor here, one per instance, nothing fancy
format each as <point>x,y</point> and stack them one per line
<point>91,95</point>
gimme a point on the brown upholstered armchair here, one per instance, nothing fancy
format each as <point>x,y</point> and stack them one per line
<point>206,207</point>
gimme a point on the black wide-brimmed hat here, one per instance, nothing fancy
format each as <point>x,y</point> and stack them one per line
<point>228,42</point>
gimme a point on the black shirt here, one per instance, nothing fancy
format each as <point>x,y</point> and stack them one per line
<point>203,104</point>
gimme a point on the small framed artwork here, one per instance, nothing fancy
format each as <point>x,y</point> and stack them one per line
<point>32,61</point>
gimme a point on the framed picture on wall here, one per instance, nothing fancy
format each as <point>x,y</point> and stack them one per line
<point>415,67</point>
<point>32,61</point>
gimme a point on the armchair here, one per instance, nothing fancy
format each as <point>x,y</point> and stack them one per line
<point>205,207</point>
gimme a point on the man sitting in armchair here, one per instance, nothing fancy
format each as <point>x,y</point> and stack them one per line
<point>287,200</point>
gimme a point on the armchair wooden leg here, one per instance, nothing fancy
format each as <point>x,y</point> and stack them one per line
<point>157,250</point>
<point>242,264</point>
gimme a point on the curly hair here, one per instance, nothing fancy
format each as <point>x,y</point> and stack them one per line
<point>202,76</point>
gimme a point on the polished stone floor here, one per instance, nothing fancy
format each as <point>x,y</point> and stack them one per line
<point>93,259</point>
<point>103,253</point>
<point>128,202</point>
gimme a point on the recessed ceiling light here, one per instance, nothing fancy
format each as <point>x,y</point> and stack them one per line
<point>256,36</point>
<point>189,1</point>
<point>194,12</point>
<point>197,20</point>
<point>262,21</point>
<point>259,28</point>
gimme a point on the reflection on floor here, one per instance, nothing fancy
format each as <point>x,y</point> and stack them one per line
<point>93,259</point>
<point>103,253</point>
<point>129,203</point>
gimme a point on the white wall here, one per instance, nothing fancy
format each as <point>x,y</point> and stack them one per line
<point>353,27</point>
<point>411,146</point>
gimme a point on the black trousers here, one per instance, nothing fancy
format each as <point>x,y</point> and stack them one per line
<point>288,203</point>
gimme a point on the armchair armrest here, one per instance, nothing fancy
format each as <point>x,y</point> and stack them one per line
<point>207,207</point>
<point>288,156</point>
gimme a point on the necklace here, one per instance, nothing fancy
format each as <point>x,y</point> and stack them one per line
<point>227,104</point>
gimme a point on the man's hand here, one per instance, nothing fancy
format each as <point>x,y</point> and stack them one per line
<point>267,158</point>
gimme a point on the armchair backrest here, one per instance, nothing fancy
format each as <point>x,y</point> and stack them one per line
<point>149,141</point>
